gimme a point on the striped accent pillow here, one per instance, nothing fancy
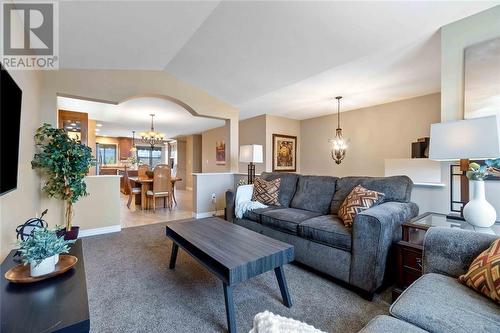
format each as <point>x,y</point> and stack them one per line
<point>266,192</point>
<point>357,201</point>
<point>484,272</point>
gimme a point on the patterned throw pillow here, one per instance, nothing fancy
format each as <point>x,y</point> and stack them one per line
<point>357,201</point>
<point>266,192</point>
<point>484,272</point>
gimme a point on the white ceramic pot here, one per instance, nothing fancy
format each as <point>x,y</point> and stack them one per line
<point>46,266</point>
<point>56,259</point>
<point>478,211</point>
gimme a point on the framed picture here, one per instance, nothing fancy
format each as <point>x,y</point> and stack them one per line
<point>482,79</point>
<point>489,177</point>
<point>284,152</point>
<point>220,153</point>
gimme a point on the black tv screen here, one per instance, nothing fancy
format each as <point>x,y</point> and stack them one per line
<point>10,121</point>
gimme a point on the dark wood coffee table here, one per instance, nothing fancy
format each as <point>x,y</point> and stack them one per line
<point>232,253</point>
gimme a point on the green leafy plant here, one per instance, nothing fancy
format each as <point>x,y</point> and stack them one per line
<point>42,244</point>
<point>64,163</point>
<point>480,172</point>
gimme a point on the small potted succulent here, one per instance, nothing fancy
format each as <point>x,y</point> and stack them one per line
<point>41,250</point>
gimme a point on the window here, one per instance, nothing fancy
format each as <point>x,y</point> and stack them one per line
<point>107,154</point>
<point>149,156</point>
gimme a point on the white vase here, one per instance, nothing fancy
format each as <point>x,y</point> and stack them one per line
<point>478,211</point>
<point>46,266</point>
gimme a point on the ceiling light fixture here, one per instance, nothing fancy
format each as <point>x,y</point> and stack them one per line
<point>339,145</point>
<point>152,138</point>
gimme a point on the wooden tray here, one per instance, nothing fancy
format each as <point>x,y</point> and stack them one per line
<point>21,273</point>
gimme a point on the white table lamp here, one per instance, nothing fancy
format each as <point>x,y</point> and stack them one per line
<point>477,139</point>
<point>251,154</point>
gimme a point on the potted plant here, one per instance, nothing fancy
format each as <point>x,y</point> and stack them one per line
<point>64,163</point>
<point>41,250</point>
<point>478,211</point>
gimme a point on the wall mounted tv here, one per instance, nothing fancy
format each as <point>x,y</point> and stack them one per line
<point>10,121</point>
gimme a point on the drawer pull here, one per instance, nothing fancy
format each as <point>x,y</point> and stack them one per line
<point>419,262</point>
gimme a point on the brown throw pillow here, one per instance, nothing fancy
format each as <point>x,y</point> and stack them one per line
<point>266,192</point>
<point>357,201</point>
<point>484,273</point>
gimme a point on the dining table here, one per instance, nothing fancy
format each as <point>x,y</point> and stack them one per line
<point>147,183</point>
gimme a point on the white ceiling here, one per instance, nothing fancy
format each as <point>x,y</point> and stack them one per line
<point>133,115</point>
<point>278,57</point>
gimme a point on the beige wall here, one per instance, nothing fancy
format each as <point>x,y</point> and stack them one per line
<point>259,130</point>
<point>204,185</point>
<point>181,164</point>
<point>253,131</point>
<point>374,134</point>
<point>208,141</point>
<point>285,126</point>
<point>455,37</point>
<point>23,203</point>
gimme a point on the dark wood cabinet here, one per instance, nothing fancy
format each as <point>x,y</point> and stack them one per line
<point>124,146</point>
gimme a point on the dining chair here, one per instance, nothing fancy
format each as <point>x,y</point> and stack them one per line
<point>141,171</point>
<point>132,191</point>
<point>162,186</point>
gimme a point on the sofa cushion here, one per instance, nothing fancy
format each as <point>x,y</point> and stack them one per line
<point>286,219</point>
<point>395,188</point>
<point>483,274</point>
<point>387,324</point>
<point>287,187</point>
<point>314,193</point>
<point>328,230</point>
<point>254,215</point>
<point>266,192</point>
<point>440,303</point>
<point>358,200</point>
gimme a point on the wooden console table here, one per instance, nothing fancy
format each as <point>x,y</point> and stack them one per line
<point>58,304</point>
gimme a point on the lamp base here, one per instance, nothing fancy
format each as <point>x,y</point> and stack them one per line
<point>251,173</point>
<point>478,211</point>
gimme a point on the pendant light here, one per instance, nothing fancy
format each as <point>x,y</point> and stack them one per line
<point>339,145</point>
<point>152,138</point>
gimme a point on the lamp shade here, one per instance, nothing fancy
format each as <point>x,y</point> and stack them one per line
<point>475,139</point>
<point>251,154</point>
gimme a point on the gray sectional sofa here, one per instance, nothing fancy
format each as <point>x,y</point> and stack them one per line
<point>307,218</point>
<point>437,301</point>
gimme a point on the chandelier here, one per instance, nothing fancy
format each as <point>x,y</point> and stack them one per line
<point>339,144</point>
<point>152,138</point>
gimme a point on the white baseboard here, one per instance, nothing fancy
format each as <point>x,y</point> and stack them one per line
<point>100,231</point>
<point>208,214</point>
<point>189,188</point>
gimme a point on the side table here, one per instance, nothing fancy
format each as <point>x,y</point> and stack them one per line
<point>410,248</point>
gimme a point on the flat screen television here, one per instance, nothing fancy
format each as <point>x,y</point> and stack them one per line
<point>10,122</point>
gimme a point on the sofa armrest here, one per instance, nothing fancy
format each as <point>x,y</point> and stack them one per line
<point>451,251</point>
<point>230,199</point>
<point>374,231</point>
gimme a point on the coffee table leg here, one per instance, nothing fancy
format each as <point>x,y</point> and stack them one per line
<point>228,298</point>
<point>173,256</point>
<point>280,276</point>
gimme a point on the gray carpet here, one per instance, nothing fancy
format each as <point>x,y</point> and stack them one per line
<point>131,289</point>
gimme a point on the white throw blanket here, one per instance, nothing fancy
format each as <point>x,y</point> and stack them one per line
<point>268,322</point>
<point>243,201</point>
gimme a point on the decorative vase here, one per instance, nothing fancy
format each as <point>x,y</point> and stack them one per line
<point>478,211</point>
<point>46,266</point>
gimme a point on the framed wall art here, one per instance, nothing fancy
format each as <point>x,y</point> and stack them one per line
<point>284,152</point>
